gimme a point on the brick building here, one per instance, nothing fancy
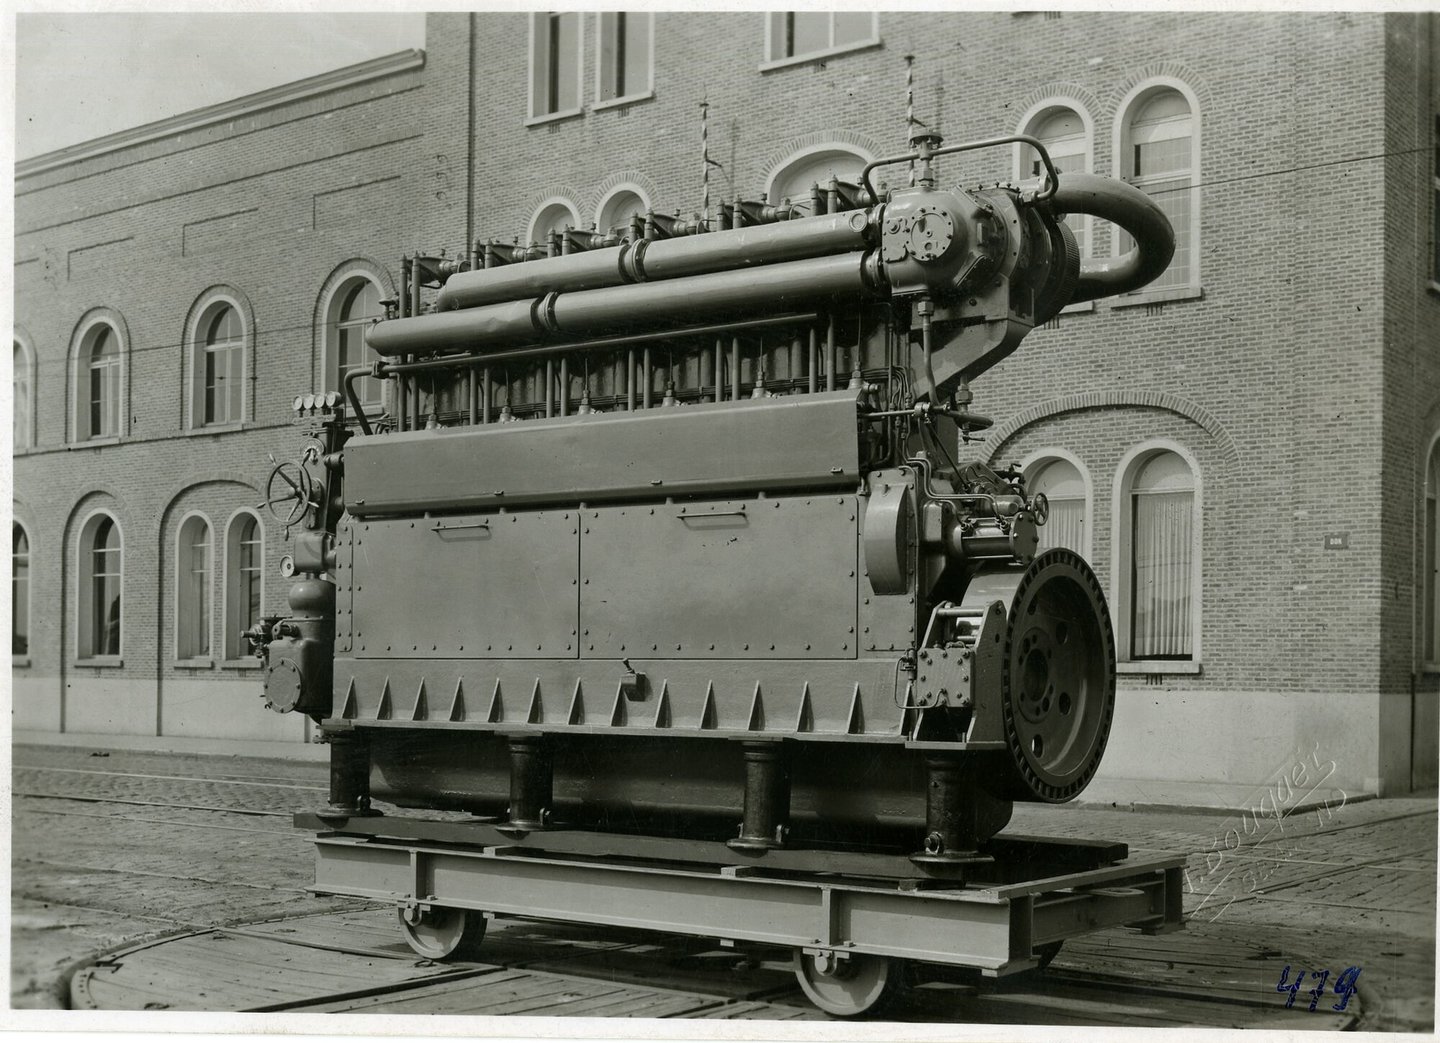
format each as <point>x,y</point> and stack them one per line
<point>1248,451</point>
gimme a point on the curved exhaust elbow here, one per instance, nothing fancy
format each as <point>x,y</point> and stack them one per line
<point>1134,211</point>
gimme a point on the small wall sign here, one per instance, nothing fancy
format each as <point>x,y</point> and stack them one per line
<point>1337,541</point>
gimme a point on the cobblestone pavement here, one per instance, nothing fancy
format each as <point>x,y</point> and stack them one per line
<point>113,847</point>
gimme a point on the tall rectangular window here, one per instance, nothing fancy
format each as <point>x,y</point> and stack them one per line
<point>19,591</point>
<point>626,50</point>
<point>799,34</point>
<point>104,390</point>
<point>244,560</point>
<point>192,605</point>
<point>1435,206</point>
<point>224,367</point>
<point>100,609</point>
<point>1159,160</point>
<point>555,63</point>
<point>1430,566</point>
<point>1162,548</point>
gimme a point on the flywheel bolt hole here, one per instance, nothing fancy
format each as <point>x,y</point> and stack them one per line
<point>1065,702</point>
<point>1037,746</point>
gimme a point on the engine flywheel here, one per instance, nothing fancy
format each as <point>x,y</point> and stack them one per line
<point>1057,678</point>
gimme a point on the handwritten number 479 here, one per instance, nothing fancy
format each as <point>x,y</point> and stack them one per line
<point>1344,986</point>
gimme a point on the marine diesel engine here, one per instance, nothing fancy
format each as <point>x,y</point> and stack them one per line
<point>664,531</point>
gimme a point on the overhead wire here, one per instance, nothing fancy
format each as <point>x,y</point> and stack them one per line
<point>1211,183</point>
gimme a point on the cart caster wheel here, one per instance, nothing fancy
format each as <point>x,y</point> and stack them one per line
<point>438,934</point>
<point>850,987</point>
<point>1046,953</point>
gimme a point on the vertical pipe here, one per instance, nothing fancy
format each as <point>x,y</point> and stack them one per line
<point>817,201</point>
<point>735,368</point>
<point>794,359</point>
<point>707,366</point>
<point>564,385</point>
<point>472,394</point>
<point>549,387</point>
<point>830,353</point>
<point>719,370</point>
<point>349,774</point>
<point>630,380</point>
<point>704,164</point>
<point>814,360</point>
<point>648,381</point>
<point>485,395</point>
<point>766,816</point>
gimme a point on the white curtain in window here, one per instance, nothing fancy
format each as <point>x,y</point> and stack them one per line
<point>192,622</point>
<point>1063,486</point>
<point>1161,549</point>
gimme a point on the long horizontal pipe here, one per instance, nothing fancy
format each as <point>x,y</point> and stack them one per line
<point>385,369</point>
<point>644,261</point>
<point>789,285</point>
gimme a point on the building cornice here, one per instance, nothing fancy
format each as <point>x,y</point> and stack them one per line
<point>235,108</point>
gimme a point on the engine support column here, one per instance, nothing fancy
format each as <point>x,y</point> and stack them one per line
<point>959,814</point>
<point>767,798</point>
<point>531,779</point>
<point>349,775</point>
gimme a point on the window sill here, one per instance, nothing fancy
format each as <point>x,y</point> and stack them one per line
<point>1078,309</point>
<point>1430,668</point>
<point>554,117</point>
<point>19,661</point>
<point>240,664</point>
<point>196,663</point>
<point>1165,296</point>
<point>101,662</point>
<point>818,56</point>
<point>218,429</point>
<point>619,103</point>
<point>1158,666</point>
<point>96,443</point>
<point>1434,288</point>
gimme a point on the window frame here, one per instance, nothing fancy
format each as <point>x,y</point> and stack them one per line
<point>534,117</point>
<point>1043,458</point>
<point>624,188</point>
<point>768,63</point>
<point>630,98</point>
<point>804,157</point>
<point>333,297</point>
<point>1121,559</point>
<point>23,439</point>
<point>21,658</point>
<point>549,204</point>
<point>203,314</point>
<point>233,654</point>
<point>1029,122</point>
<point>1429,592</point>
<point>82,352</point>
<point>1435,204</point>
<point>183,602</point>
<point>1133,101</point>
<point>84,577</point>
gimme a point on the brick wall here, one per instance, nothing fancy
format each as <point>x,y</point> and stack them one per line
<point>1302,377</point>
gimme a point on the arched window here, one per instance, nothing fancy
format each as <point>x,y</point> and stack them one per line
<point>1159,154</point>
<point>1066,136</point>
<point>218,365</point>
<point>616,209</point>
<point>97,384</point>
<point>192,589</point>
<point>354,306</point>
<point>100,575</point>
<point>553,216</point>
<point>794,178</point>
<point>1066,489</point>
<point>1160,555</point>
<point>244,573</point>
<point>19,590</point>
<point>23,378</point>
<point>1430,577</point>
